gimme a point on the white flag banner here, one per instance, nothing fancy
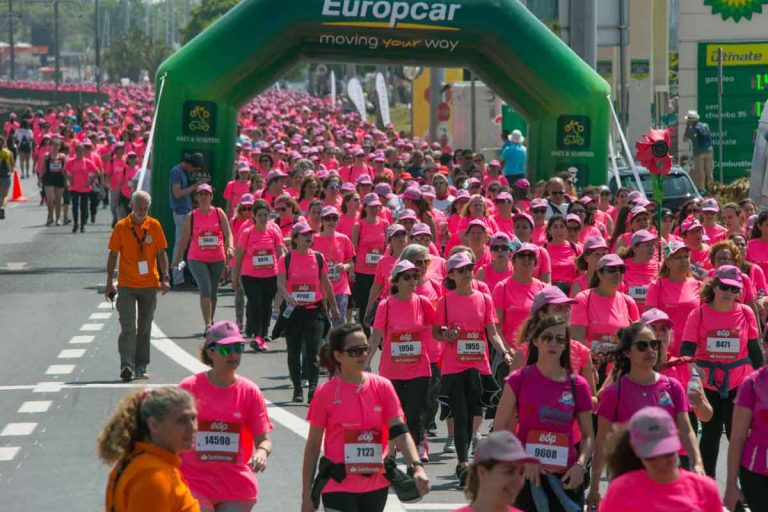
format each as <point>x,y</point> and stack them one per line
<point>381,92</point>
<point>355,93</point>
<point>333,88</point>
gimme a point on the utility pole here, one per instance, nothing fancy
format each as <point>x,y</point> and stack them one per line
<point>435,97</point>
<point>57,76</point>
<point>97,45</point>
<point>10,40</point>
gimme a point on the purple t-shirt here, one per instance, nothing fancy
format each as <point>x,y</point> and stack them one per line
<point>666,393</point>
<point>753,395</point>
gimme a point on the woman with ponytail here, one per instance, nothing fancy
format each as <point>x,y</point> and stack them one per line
<point>143,439</point>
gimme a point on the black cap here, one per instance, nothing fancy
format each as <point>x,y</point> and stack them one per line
<point>195,159</point>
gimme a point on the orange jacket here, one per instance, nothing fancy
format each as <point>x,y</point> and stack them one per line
<point>151,482</point>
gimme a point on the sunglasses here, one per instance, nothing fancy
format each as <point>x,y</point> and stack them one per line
<point>420,263</point>
<point>525,255</point>
<point>333,187</point>
<point>501,201</point>
<point>411,276</point>
<point>500,248</point>
<point>331,218</point>
<point>281,209</point>
<point>557,193</point>
<point>494,190</point>
<point>225,350</point>
<point>465,269</point>
<point>264,162</point>
<point>539,210</point>
<point>550,338</point>
<point>357,351</point>
<point>643,345</point>
<point>246,209</point>
<point>729,288</point>
<point>613,270</point>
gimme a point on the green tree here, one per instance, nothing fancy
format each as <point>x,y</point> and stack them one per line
<point>133,53</point>
<point>203,15</point>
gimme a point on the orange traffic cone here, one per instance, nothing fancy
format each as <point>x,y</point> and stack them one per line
<point>17,196</point>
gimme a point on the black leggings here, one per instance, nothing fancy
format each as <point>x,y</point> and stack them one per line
<point>258,313</point>
<point>712,430</point>
<point>360,291</point>
<point>464,401</point>
<point>373,501</point>
<point>93,197</point>
<point>431,405</point>
<point>412,394</point>
<point>754,486</point>
<point>303,334</point>
<point>80,207</point>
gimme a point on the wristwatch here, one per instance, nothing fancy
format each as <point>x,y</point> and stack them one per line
<point>413,465</point>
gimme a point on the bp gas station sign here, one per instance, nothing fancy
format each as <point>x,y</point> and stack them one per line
<point>745,89</point>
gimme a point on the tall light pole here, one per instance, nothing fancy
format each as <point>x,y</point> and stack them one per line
<point>10,40</point>
<point>97,45</point>
<point>57,64</point>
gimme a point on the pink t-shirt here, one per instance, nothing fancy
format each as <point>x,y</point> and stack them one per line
<point>638,277</point>
<point>406,329</point>
<point>757,252</point>
<point>753,395</point>
<point>470,314</point>
<point>635,492</point>
<point>383,272</point>
<point>547,411</point>
<point>261,250</point>
<point>505,225</point>
<point>303,279</point>
<point>716,233</point>
<point>372,242</point>
<point>491,277</point>
<point>337,249</point>
<point>81,172</point>
<point>722,337</point>
<point>563,258</point>
<point>620,400</point>
<point>355,416</point>
<point>346,223</point>
<point>759,283</point>
<point>228,420</point>
<point>233,192</point>
<point>469,508</point>
<point>129,173</point>
<point>677,300</point>
<point>603,316</point>
<point>207,242</point>
<point>580,355</point>
<point>539,235</point>
<point>515,300</point>
<point>543,263</point>
<point>115,170</point>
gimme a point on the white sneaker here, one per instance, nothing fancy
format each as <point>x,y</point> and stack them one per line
<point>448,446</point>
<point>305,383</point>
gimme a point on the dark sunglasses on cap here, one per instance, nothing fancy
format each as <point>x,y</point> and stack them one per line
<point>612,270</point>
<point>499,248</point>
<point>539,210</point>
<point>494,190</point>
<point>356,351</point>
<point>225,350</point>
<point>643,345</point>
<point>410,276</point>
<point>729,288</point>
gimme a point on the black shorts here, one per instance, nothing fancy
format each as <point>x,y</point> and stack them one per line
<point>54,179</point>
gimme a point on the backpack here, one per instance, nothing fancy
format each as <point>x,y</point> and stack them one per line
<point>318,257</point>
<point>24,145</point>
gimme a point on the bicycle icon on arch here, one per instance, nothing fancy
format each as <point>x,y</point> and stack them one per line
<point>198,119</point>
<point>573,130</point>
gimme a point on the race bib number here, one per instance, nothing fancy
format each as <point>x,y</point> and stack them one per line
<point>470,346</point>
<point>551,448</point>
<point>56,167</point>
<point>304,294</point>
<point>638,292</point>
<point>334,273</point>
<point>208,240</point>
<point>362,451</point>
<point>604,341</point>
<point>405,347</point>
<point>217,441</point>
<point>723,343</point>
<point>263,258</point>
<point>143,267</point>
<point>372,258</point>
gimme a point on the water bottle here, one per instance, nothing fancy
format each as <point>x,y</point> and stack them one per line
<point>181,266</point>
<point>288,310</point>
<point>695,383</point>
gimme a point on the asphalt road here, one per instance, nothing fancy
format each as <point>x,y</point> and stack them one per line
<point>59,374</point>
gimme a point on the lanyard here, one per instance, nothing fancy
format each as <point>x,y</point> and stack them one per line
<point>140,241</point>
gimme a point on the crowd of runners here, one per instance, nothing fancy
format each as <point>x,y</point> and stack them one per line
<point>415,284</point>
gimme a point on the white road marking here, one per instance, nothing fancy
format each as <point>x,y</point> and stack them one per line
<point>104,305</point>
<point>35,406</point>
<point>100,316</point>
<point>16,265</point>
<point>16,388</point>
<point>60,369</point>
<point>433,506</point>
<point>48,387</point>
<point>82,339</point>
<point>116,385</point>
<point>92,327</point>
<point>72,353</point>
<point>18,429</point>
<point>8,452</point>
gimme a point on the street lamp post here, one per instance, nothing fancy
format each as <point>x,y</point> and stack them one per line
<point>97,46</point>
<point>57,64</point>
<point>10,40</point>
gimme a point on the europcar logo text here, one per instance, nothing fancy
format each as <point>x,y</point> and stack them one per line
<point>393,14</point>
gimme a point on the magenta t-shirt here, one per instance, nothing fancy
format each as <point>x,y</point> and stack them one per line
<point>757,252</point>
<point>546,411</point>
<point>753,395</point>
<point>563,261</point>
<point>603,316</point>
<point>677,300</point>
<point>618,405</point>
<point>638,277</point>
<point>228,420</point>
<point>80,173</point>
<point>470,314</point>
<point>303,278</point>
<point>261,250</point>
<point>371,245</point>
<point>406,329</point>
<point>635,492</point>
<point>468,508</point>
<point>337,249</point>
<point>354,418</point>
<point>383,273</point>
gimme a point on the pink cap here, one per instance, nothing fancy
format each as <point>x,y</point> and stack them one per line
<point>243,167</point>
<point>572,217</point>
<point>550,295</point>
<point>275,174</point>
<point>729,274</point>
<point>400,267</point>
<point>348,186</point>
<point>523,184</point>
<point>585,200</point>
<point>428,191</point>
<point>634,196</point>
<point>524,216</point>
<point>751,220</point>
<point>504,196</point>
<point>247,199</point>
<point>610,260</point>
<point>640,236</point>
<point>673,247</point>
<point>359,152</point>
<point>494,163</point>
<point>395,229</point>
<point>407,214</point>
<point>638,210</point>
<point>382,189</point>
<point>223,332</point>
<point>526,247</point>
<point>476,198</point>
<point>502,237</point>
<point>689,224</point>
<point>477,222</point>
<point>364,179</point>
<point>459,260</point>
<point>538,203</point>
<point>371,200</point>
<point>595,242</point>
<point>653,315</point>
<point>204,188</point>
<point>652,432</point>
<point>474,182</point>
<point>329,210</point>
<point>503,446</point>
<point>412,193</point>
<point>421,228</point>
<point>462,194</point>
<point>710,205</point>
<point>300,228</point>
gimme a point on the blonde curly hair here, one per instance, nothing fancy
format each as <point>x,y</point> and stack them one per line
<point>128,423</point>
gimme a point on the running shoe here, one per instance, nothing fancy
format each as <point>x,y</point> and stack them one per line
<point>304,383</point>
<point>49,222</point>
<point>141,373</point>
<point>424,451</point>
<point>74,228</point>
<point>93,219</point>
<point>448,446</point>
<point>258,344</point>
<point>126,374</point>
<point>2,213</point>
<point>66,221</point>
<point>298,395</point>
<point>462,472</point>
<point>82,228</point>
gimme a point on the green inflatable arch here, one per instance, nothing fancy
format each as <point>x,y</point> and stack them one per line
<point>209,79</point>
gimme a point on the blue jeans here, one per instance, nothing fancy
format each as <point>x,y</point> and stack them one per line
<point>178,221</point>
<point>342,301</point>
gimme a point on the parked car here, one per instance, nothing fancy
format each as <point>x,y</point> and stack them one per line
<point>678,186</point>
